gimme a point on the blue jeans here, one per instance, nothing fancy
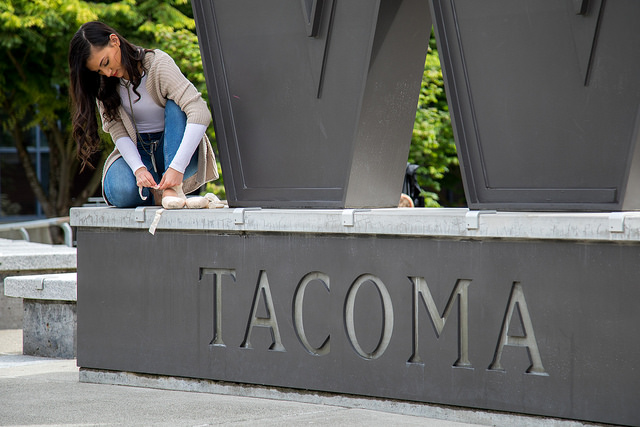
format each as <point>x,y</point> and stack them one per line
<point>120,187</point>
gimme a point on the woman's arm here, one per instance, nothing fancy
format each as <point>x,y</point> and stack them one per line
<point>115,128</point>
<point>175,172</point>
<point>131,155</point>
<point>193,134</point>
<point>170,83</point>
<point>129,152</point>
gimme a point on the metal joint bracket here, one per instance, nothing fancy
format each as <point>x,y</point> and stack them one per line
<point>140,213</point>
<point>616,222</point>
<point>40,286</point>
<point>473,218</point>
<point>349,216</point>
<point>238,214</point>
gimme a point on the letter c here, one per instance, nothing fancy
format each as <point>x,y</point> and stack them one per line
<point>298,323</point>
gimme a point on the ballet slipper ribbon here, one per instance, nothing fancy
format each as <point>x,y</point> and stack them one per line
<point>156,220</point>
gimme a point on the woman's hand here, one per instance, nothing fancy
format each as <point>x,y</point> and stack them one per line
<point>144,178</point>
<point>171,178</point>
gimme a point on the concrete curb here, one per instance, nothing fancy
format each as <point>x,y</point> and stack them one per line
<point>421,410</point>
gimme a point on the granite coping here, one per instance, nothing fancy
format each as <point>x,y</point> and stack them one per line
<point>19,255</point>
<point>460,223</point>
<point>61,287</point>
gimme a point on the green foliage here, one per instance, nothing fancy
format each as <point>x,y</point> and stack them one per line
<point>432,144</point>
<point>34,88</point>
<point>31,76</point>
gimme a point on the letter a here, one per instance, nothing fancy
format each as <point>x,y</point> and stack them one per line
<point>528,340</point>
<point>266,322</point>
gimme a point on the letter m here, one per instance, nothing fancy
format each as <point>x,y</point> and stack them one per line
<point>460,293</point>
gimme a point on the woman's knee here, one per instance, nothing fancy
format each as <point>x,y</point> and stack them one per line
<point>120,187</point>
<point>173,113</point>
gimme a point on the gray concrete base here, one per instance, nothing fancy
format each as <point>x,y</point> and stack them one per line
<point>49,328</point>
<point>49,320</point>
<point>448,413</point>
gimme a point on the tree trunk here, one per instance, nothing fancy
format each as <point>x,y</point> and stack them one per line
<point>54,169</point>
<point>60,194</point>
<point>30,172</point>
<point>94,183</point>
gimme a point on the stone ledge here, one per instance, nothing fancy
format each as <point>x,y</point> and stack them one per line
<point>60,287</point>
<point>18,255</point>
<point>457,223</point>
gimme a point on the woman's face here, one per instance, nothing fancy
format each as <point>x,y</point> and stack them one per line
<point>107,60</point>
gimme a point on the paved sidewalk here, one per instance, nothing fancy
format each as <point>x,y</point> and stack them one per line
<point>47,392</point>
<point>41,391</point>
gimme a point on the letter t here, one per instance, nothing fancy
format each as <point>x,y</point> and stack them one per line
<point>217,300</point>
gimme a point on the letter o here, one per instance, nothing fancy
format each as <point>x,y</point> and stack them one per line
<point>387,316</point>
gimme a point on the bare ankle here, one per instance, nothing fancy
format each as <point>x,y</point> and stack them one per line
<point>169,192</point>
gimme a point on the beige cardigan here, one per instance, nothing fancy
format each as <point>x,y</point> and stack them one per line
<point>166,81</point>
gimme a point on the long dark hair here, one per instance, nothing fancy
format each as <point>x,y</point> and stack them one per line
<point>86,86</point>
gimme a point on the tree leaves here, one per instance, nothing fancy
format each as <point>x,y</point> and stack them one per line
<point>432,144</point>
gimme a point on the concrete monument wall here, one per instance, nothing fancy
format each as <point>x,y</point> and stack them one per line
<point>523,313</point>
